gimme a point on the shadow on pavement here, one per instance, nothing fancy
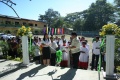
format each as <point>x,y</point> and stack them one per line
<point>69,75</point>
<point>31,73</point>
<point>2,60</point>
<point>10,70</point>
<point>49,74</point>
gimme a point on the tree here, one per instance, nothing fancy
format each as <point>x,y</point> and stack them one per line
<point>78,25</point>
<point>72,17</point>
<point>91,19</point>
<point>117,2</point>
<point>99,14</point>
<point>72,20</point>
<point>59,22</point>
<point>49,17</point>
<point>117,13</point>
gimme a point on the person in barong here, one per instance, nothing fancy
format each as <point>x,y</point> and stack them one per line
<point>74,48</point>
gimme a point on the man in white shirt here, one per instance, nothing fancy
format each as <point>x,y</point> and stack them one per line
<point>95,53</point>
<point>75,49</point>
<point>53,47</point>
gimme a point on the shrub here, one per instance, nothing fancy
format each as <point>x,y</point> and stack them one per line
<point>9,58</point>
<point>18,59</point>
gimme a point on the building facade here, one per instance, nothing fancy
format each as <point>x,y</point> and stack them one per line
<point>9,21</point>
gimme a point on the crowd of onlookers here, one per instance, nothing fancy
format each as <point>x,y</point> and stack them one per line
<point>75,51</point>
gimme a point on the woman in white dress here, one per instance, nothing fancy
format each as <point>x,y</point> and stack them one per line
<point>83,58</point>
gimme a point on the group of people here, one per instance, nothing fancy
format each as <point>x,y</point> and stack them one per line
<point>10,47</point>
<point>75,51</point>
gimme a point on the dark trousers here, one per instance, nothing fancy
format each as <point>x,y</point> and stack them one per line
<point>53,59</point>
<point>75,59</point>
<point>15,53</point>
<point>37,59</point>
<point>102,60</point>
<point>95,59</point>
<point>41,59</point>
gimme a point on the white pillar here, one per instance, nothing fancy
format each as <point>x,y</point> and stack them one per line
<point>25,50</point>
<point>110,48</point>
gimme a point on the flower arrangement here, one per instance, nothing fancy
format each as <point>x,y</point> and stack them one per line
<point>109,29</point>
<point>23,31</point>
<point>118,32</point>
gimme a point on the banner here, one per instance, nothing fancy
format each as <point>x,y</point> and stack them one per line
<point>55,31</point>
<point>44,30</point>
<point>52,31</point>
<point>47,30</point>
<point>62,30</point>
<point>58,31</point>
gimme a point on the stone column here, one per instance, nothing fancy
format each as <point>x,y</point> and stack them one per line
<point>25,50</point>
<point>110,50</point>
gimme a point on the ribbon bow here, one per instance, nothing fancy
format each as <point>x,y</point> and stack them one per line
<point>59,56</point>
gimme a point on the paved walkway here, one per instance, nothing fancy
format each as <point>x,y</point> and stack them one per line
<point>40,72</point>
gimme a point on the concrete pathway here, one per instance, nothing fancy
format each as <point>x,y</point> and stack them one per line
<point>40,72</point>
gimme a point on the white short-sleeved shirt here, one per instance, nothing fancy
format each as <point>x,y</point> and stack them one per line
<point>88,46</point>
<point>96,45</point>
<point>47,42</point>
<point>56,41</point>
<point>37,51</point>
<point>61,42</point>
<point>53,46</point>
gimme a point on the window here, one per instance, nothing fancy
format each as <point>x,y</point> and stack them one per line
<point>24,23</point>
<point>16,23</point>
<point>35,24</point>
<point>30,24</point>
<point>7,22</point>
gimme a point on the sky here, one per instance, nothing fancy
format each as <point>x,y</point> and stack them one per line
<point>31,9</point>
